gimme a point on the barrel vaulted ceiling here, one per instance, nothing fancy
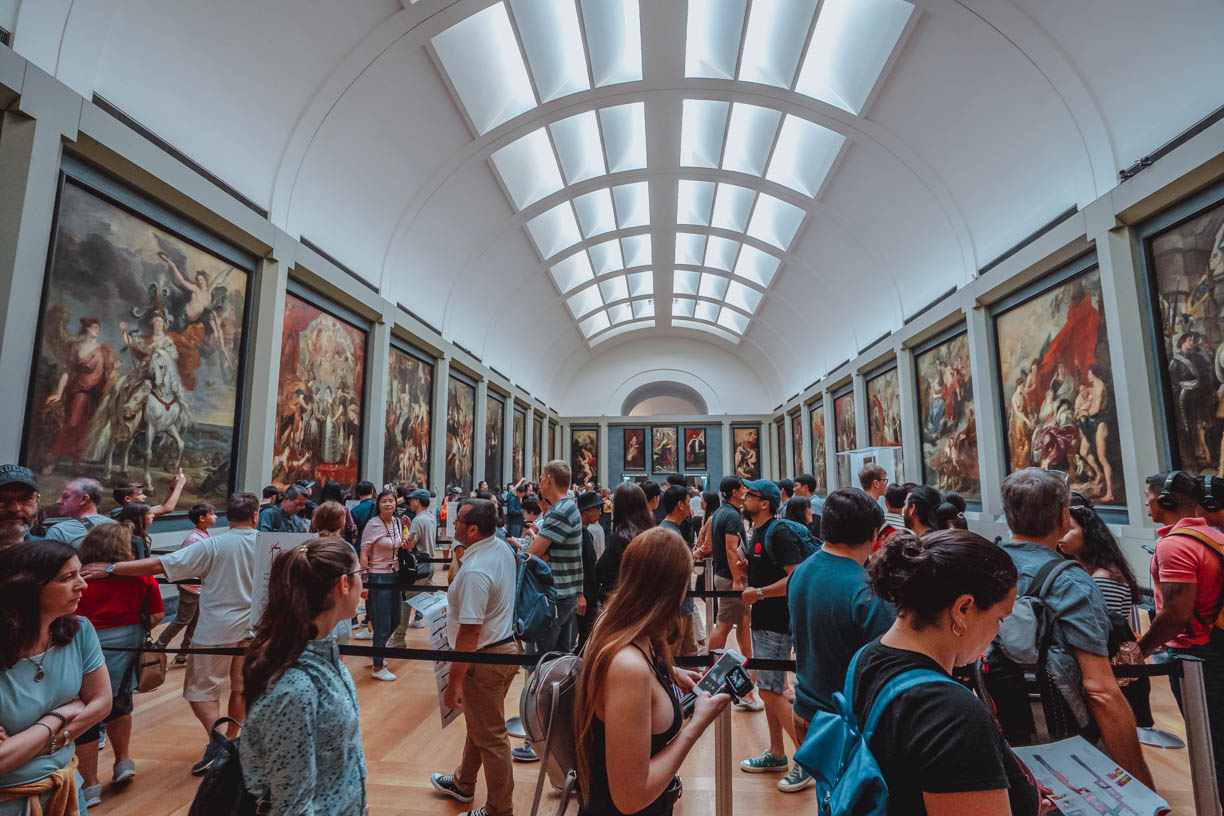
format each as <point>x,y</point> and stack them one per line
<point>732,194</point>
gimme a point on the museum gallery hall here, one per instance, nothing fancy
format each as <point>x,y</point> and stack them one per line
<point>339,334</point>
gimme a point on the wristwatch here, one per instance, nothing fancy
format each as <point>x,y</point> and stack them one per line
<point>760,593</point>
<point>110,569</point>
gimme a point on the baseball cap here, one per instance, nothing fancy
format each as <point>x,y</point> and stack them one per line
<point>420,495</point>
<point>589,501</point>
<point>16,474</point>
<point>768,490</point>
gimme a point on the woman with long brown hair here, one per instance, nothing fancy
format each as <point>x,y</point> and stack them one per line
<point>301,740</point>
<point>629,730</point>
<point>630,517</point>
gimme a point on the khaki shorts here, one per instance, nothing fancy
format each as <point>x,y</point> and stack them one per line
<point>206,674</point>
<point>730,610</point>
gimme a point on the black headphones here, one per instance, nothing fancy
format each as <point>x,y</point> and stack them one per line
<point>1209,501</point>
<point>1166,500</point>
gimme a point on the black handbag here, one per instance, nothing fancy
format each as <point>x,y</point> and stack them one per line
<point>412,566</point>
<point>223,791</point>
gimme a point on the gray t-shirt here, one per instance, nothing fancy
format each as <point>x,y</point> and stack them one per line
<point>73,531</point>
<point>226,563</point>
<point>425,527</point>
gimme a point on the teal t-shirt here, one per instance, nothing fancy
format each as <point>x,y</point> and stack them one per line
<point>833,613</point>
<point>22,701</point>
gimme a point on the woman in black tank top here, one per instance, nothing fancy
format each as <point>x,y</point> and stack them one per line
<point>619,709</point>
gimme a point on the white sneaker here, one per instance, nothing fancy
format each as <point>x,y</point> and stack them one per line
<point>419,623</point>
<point>364,634</point>
<point>749,704</point>
<point>382,674</point>
<point>93,795</point>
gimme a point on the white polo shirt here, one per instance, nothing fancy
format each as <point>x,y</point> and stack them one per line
<point>483,592</point>
<point>226,562</point>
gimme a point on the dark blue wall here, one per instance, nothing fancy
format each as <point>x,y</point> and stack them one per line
<point>616,451</point>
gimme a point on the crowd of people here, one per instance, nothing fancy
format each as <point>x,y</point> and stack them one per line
<point>857,587</point>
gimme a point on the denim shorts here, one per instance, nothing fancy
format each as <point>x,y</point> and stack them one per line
<point>771,646</point>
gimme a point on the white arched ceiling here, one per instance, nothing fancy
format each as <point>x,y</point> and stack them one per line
<point>346,122</point>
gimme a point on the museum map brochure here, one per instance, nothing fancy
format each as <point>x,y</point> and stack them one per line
<point>1086,782</point>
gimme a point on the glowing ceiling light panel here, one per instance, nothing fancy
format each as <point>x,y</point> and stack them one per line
<point>632,204</point>
<point>573,271</point>
<point>804,155</point>
<point>707,327</point>
<point>584,301</point>
<point>750,134</point>
<point>756,266</point>
<point>732,204</point>
<point>606,257</point>
<point>683,306</point>
<point>614,289</point>
<point>850,46</point>
<point>712,38</point>
<point>636,249</point>
<point>693,202</point>
<point>528,169</point>
<point>686,281</point>
<point>643,308</point>
<point>732,320</point>
<point>712,286</point>
<point>624,129</point>
<point>577,140</point>
<point>481,58</point>
<point>720,253</point>
<point>620,313</point>
<point>775,221</point>
<point>690,248</point>
<point>595,323</point>
<point>706,311</point>
<point>702,124</point>
<point>641,284</point>
<point>774,40</point>
<point>614,40</point>
<point>552,40</point>
<point>554,230</point>
<point>743,297</point>
<point>595,213</point>
<point>624,328</point>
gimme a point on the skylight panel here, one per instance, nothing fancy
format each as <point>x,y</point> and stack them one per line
<point>720,253</point>
<point>712,38</point>
<point>481,57</point>
<point>686,281</point>
<point>732,204</point>
<point>641,284</point>
<point>595,213</point>
<point>606,257</point>
<point>614,289</point>
<point>584,301</point>
<point>850,46</point>
<point>712,286</point>
<point>528,169</point>
<point>757,266</point>
<point>624,328</point>
<point>732,320</point>
<point>774,40</point>
<point>595,323</point>
<point>694,202</point>
<point>554,230</point>
<point>632,204</point>
<point>614,37</point>
<point>683,306</point>
<point>804,155</point>
<point>577,139</point>
<point>620,313</point>
<point>775,221</point>
<point>707,327</point>
<point>636,250</point>
<point>690,248</point>
<point>702,123</point>
<point>743,297</point>
<point>574,270</point>
<point>624,128</point>
<point>643,308</point>
<point>553,42</point>
<point>706,311</point>
<point>750,134</point>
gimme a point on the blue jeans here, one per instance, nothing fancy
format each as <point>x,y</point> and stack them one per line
<point>383,607</point>
<point>1212,655</point>
<point>560,636</point>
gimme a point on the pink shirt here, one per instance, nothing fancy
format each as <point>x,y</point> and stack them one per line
<point>192,537</point>
<point>1182,560</point>
<point>379,543</point>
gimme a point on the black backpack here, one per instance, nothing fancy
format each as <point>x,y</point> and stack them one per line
<point>223,791</point>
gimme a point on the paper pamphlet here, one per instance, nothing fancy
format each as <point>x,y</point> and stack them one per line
<point>267,547</point>
<point>452,510</point>
<point>434,608</point>
<point>1085,782</point>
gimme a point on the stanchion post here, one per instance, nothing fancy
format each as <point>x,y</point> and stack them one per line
<point>1198,738</point>
<point>707,583</point>
<point>723,766</point>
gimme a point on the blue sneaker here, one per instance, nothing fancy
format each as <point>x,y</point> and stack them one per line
<point>524,754</point>
<point>765,763</point>
<point>796,780</point>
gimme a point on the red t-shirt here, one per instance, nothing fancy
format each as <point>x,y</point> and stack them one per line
<point>114,602</point>
<point>1182,560</point>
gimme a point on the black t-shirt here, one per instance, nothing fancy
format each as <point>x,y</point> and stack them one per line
<point>726,521</point>
<point>937,737</point>
<point>766,567</point>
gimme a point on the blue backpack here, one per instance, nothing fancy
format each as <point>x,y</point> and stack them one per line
<point>807,543</point>
<point>836,752</point>
<point>535,597</point>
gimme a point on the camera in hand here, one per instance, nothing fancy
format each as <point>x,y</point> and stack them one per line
<point>727,675</point>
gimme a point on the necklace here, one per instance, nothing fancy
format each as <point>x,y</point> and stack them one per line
<point>39,675</point>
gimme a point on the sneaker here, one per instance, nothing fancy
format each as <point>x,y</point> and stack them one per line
<point>419,623</point>
<point>93,795</point>
<point>381,673</point>
<point>765,763</point>
<point>206,761</point>
<point>179,660</point>
<point>396,644</point>
<point>524,754</point>
<point>125,769</point>
<point>446,784</point>
<point>364,634</point>
<point>796,780</point>
<point>749,704</point>
<point>480,811</point>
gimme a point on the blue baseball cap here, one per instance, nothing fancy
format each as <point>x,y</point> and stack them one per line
<point>420,495</point>
<point>768,490</point>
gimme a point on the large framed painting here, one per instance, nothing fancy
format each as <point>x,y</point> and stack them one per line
<point>537,446</point>
<point>519,445</point>
<point>584,455</point>
<point>552,442</point>
<point>139,351</point>
<point>320,395</point>
<point>664,450</point>
<point>884,409</point>
<point>1057,383</point>
<point>843,422</point>
<point>945,414</point>
<point>1184,252</point>
<point>747,442</point>
<point>820,463</point>
<point>780,450</point>
<point>409,409</point>
<point>635,448</point>
<point>495,435</point>
<point>460,429</point>
<point>796,426</point>
<point>694,448</point>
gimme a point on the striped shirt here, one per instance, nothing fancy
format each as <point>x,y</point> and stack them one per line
<point>562,526</point>
<point>1117,595</point>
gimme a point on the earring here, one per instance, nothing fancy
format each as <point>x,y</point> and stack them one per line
<point>957,633</point>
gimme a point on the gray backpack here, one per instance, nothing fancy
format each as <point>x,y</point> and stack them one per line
<point>546,708</point>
